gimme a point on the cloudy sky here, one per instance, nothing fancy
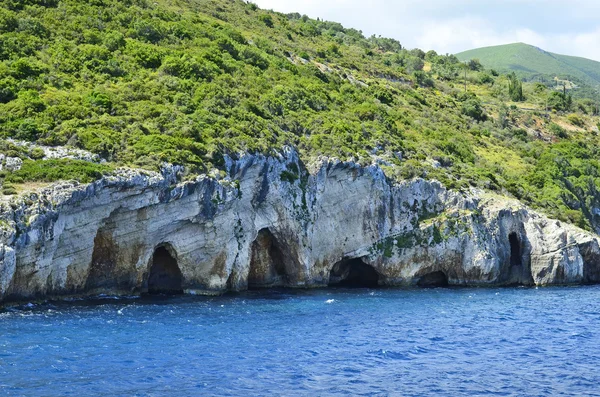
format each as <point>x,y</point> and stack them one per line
<point>567,27</point>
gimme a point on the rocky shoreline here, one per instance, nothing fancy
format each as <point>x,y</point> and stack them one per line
<point>271,223</point>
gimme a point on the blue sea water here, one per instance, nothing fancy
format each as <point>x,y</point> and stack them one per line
<point>430,342</point>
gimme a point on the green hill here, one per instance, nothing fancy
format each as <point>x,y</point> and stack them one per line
<point>142,82</point>
<point>532,62</point>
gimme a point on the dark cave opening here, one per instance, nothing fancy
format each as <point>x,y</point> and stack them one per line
<point>433,280</point>
<point>515,250</point>
<point>165,276</point>
<point>104,261</point>
<point>353,273</point>
<point>267,263</point>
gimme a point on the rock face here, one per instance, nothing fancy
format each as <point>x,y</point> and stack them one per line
<point>272,223</point>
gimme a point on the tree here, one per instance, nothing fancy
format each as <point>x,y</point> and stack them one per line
<point>560,101</point>
<point>515,88</point>
<point>423,79</point>
<point>414,64</point>
<point>475,65</point>
<point>431,56</point>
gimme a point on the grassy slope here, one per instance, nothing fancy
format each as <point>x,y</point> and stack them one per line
<point>587,66</point>
<point>531,61</point>
<point>141,82</point>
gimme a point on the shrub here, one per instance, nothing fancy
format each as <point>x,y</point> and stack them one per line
<point>304,55</point>
<point>472,108</point>
<point>519,133</point>
<point>558,131</point>
<point>288,176</point>
<point>423,79</point>
<point>333,49</point>
<point>8,89</point>
<point>8,21</point>
<point>538,88</point>
<point>58,169</point>
<point>254,58</point>
<point>29,130</point>
<point>24,68</point>
<point>189,67</point>
<point>29,103</point>
<point>560,101</point>
<point>384,95</point>
<point>100,102</point>
<point>92,56</point>
<point>486,79</point>
<point>266,19</point>
<point>146,55</point>
<point>9,190</point>
<point>37,153</point>
<point>576,120</point>
<point>114,40</point>
<point>228,46</point>
<point>150,31</point>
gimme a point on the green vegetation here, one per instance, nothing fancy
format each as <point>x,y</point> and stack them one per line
<point>515,88</point>
<point>54,170</point>
<point>141,82</point>
<point>9,190</point>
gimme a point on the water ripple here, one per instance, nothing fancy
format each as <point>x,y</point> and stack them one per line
<point>443,342</point>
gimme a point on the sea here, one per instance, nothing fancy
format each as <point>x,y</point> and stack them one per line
<point>329,342</point>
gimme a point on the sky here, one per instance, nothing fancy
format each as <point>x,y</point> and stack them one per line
<point>566,27</point>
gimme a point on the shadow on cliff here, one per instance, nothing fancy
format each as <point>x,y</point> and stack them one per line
<point>273,264</point>
<point>516,260</point>
<point>354,273</point>
<point>165,276</point>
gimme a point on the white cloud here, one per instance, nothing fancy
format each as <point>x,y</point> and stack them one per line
<point>585,44</point>
<point>472,32</point>
<point>453,26</point>
<point>462,34</point>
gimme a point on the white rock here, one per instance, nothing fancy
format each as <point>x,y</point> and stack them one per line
<point>13,164</point>
<point>270,223</point>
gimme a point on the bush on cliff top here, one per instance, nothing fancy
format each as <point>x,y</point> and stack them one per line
<point>58,169</point>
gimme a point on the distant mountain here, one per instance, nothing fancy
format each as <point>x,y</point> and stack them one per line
<point>532,62</point>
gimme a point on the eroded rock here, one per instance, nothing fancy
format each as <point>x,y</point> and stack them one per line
<point>269,222</point>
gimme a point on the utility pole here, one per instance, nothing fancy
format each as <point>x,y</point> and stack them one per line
<point>466,66</point>
<point>598,103</point>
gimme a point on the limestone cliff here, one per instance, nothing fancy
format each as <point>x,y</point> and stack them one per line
<point>271,222</point>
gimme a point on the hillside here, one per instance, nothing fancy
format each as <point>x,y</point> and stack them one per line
<point>534,63</point>
<point>138,83</point>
